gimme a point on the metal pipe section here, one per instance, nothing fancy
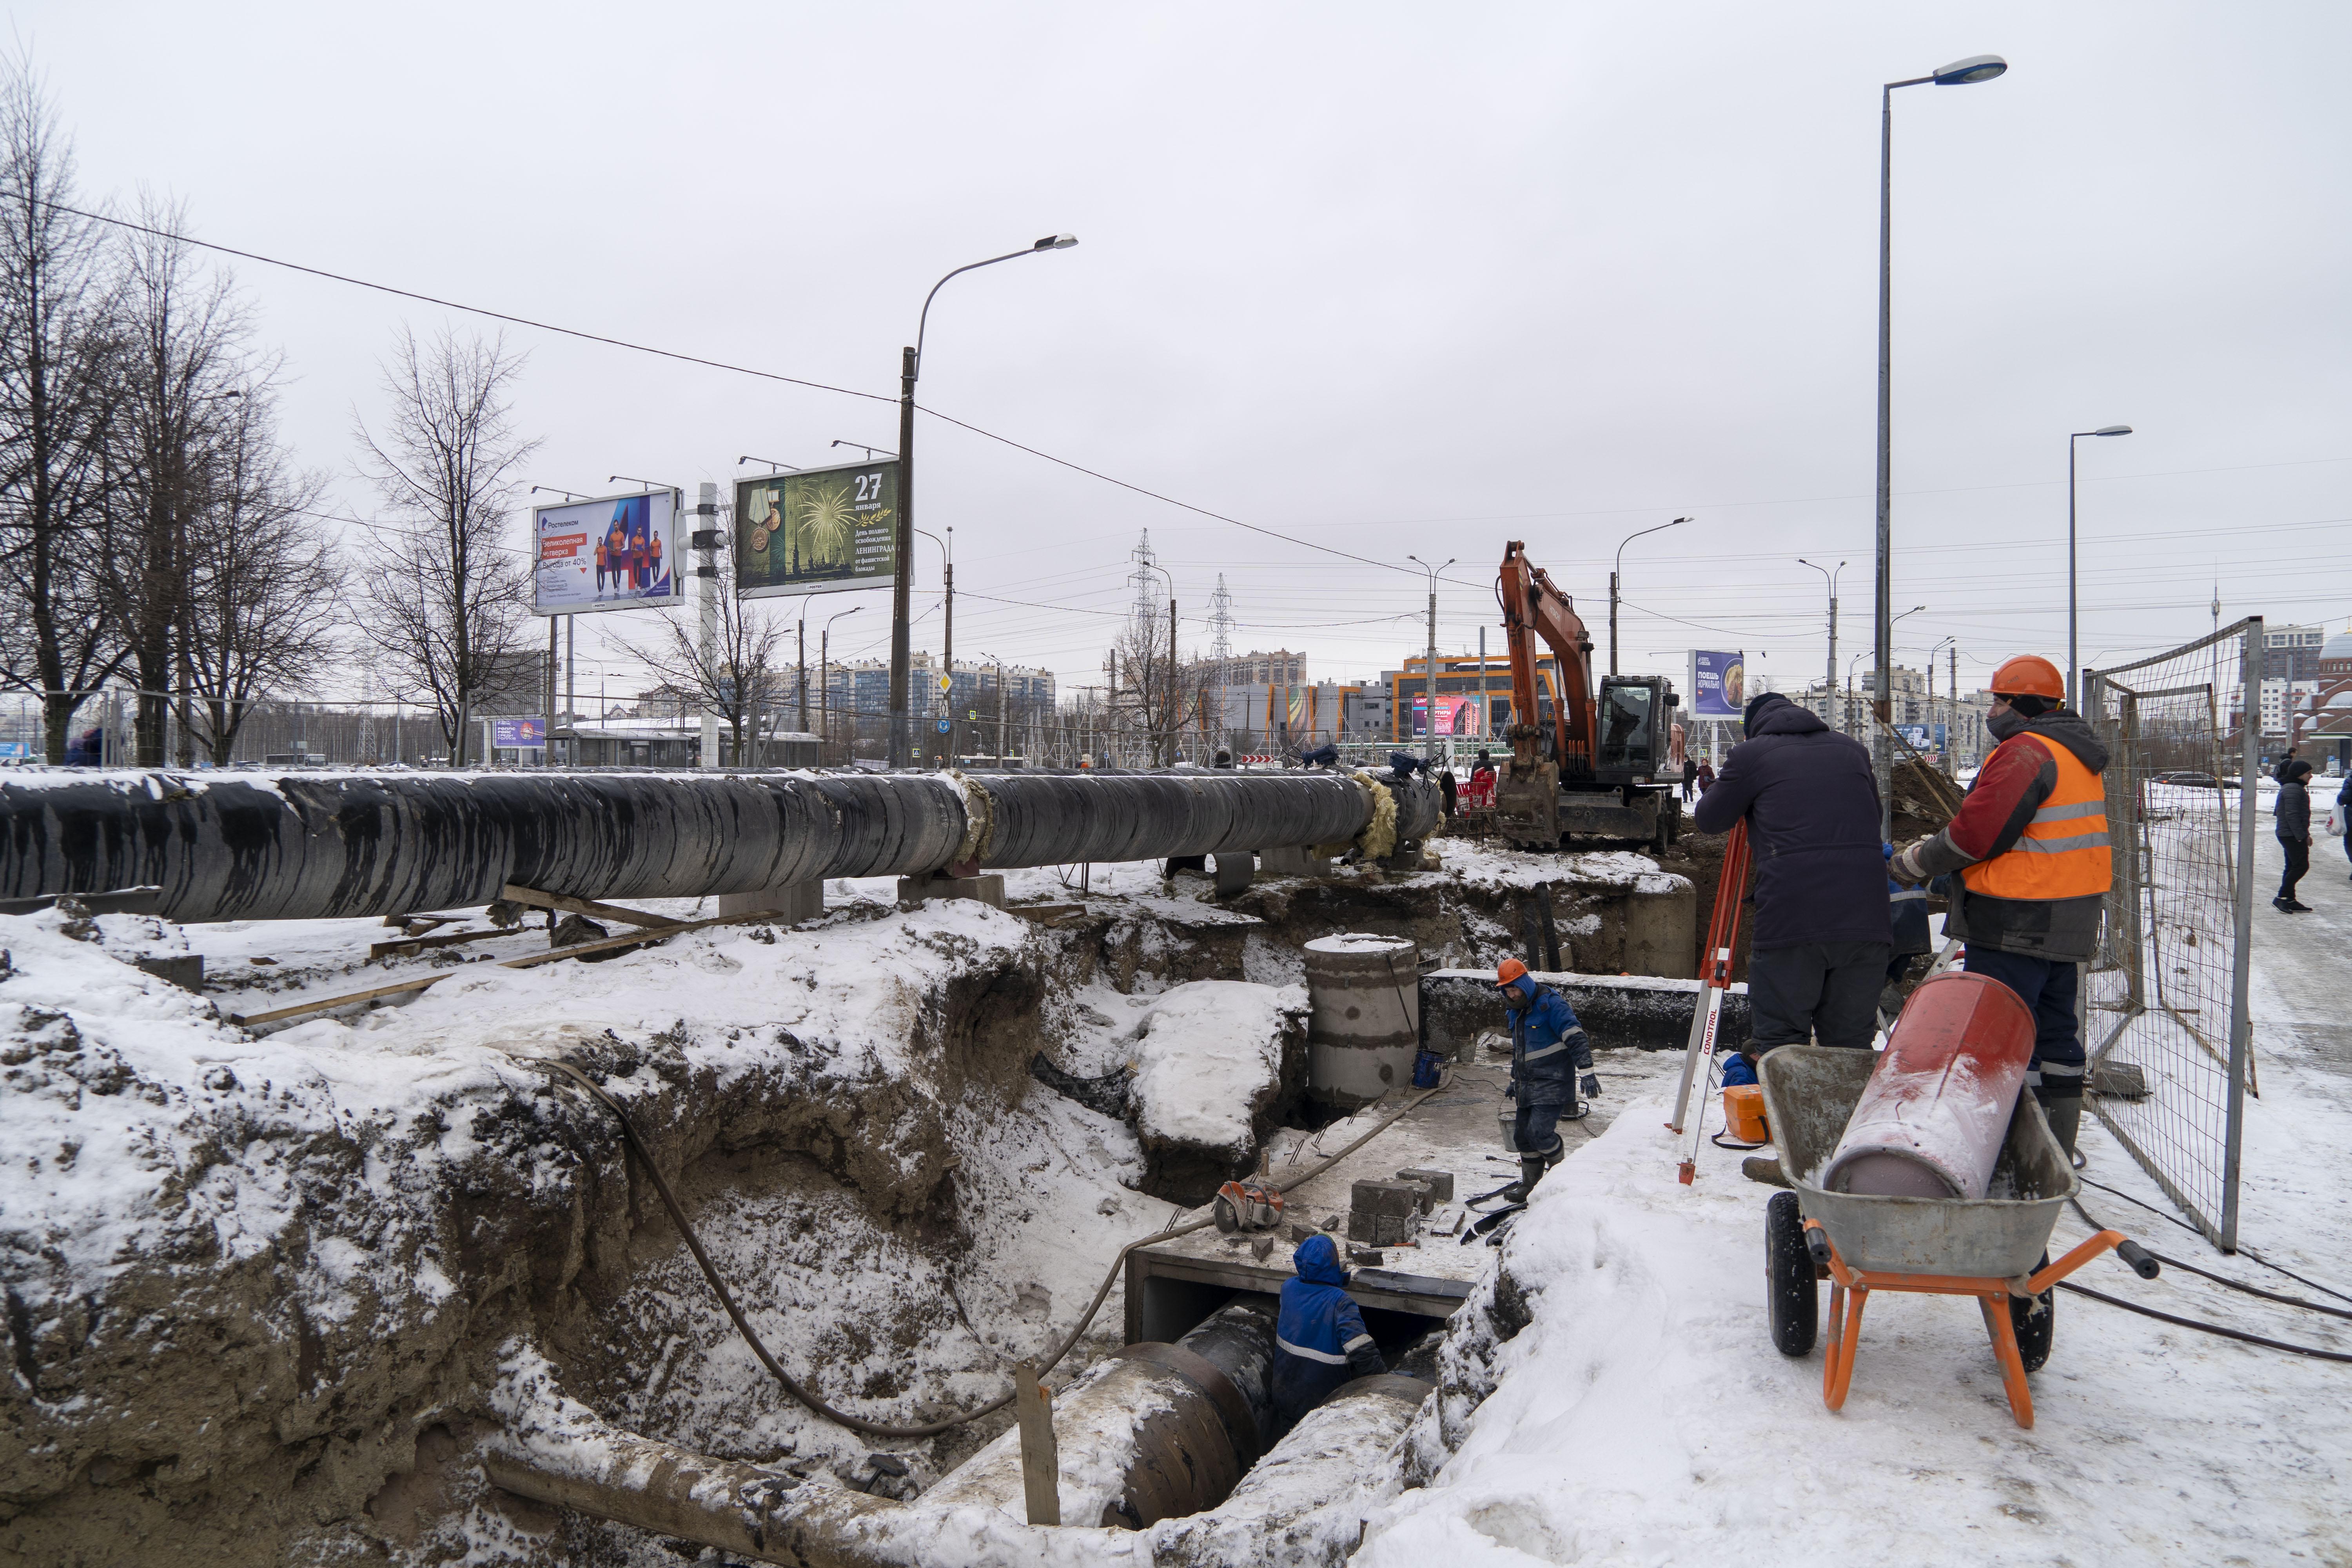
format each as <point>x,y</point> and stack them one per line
<point>321,846</point>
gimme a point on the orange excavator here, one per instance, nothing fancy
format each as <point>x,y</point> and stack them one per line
<point>1610,770</point>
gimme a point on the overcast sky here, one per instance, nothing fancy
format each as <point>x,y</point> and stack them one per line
<point>1392,279</point>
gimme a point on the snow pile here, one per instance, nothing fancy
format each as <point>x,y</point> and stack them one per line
<point>1209,1061</point>
<point>1634,1409</point>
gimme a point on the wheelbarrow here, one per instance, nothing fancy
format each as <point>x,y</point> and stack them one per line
<point>1995,1249</point>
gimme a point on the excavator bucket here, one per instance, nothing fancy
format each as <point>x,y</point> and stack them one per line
<point>1526,807</point>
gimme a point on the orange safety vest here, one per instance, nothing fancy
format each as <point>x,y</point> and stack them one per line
<point>2062,853</point>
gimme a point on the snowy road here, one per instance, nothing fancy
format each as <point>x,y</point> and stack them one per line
<point>1644,1417</point>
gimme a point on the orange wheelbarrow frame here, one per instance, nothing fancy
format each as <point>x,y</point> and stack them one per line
<point>1992,1298</point>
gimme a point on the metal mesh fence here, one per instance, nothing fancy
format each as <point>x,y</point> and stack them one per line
<point>2165,1002</point>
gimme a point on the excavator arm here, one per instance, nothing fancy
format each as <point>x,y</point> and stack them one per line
<point>1533,608</point>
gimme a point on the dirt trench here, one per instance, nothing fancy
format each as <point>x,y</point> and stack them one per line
<point>217,1408</point>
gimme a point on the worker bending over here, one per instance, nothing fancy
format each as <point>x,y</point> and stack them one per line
<point>2031,847</point>
<point>1319,1340</point>
<point>1549,1048</point>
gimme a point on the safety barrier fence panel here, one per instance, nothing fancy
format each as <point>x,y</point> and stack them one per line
<point>2165,1002</point>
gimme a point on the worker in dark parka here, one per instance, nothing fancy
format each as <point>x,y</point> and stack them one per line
<point>1824,929</point>
<point>1319,1340</point>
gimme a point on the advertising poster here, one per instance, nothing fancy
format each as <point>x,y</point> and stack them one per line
<point>1456,715</point>
<point>525,733</point>
<point>817,533</point>
<point>1718,685</point>
<point>619,553</point>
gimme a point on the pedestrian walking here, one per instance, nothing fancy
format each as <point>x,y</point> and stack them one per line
<point>2292,813</point>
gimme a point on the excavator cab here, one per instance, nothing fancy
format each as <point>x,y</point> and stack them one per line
<point>1636,723</point>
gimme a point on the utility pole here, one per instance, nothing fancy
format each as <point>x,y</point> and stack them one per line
<point>1952,729</point>
<point>1484,715</point>
<point>571,686</point>
<point>1175,701</point>
<point>947,646</point>
<point>902,578</point>
<point>706,567</point>
<point>547,707</point>
<point>1000,712</point>
<point>1428,668</point>
<point>799,665</point>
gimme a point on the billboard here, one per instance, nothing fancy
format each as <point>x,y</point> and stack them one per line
<point>1718,685</point>
<point>1457,714</point>
<point>519,734</point>
<point>821,532</point>
<point>617,553</point>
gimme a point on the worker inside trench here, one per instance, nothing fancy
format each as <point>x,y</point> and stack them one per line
<point>1071,1225</point>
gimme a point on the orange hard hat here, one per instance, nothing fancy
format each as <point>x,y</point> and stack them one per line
<point>2028,675</point>
<point>1510,969</point>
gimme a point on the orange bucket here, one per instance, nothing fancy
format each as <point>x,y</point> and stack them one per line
<point>1743,1111</point>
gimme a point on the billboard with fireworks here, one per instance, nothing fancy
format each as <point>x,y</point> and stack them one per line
<point>820,531</point>
<point>617,553</point>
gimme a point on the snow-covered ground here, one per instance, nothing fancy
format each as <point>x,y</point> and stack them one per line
<point>1642,1415</point>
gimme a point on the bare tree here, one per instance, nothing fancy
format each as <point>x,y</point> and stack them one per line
<point>444,599</point>
<point>1153,698</point>
<point>185,333</point>
<point>60,364</point>
<point>264,589</point>
<point>739,675</point>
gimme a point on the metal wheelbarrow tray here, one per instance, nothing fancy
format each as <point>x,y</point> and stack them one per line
<point>1993,1249</point>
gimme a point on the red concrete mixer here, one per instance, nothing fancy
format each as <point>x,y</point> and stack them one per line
<point>1931,1120</point>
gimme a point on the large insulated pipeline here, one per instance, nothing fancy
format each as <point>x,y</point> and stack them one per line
<point>318,845</point>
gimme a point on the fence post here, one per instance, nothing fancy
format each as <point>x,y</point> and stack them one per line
<point>2249,724</point>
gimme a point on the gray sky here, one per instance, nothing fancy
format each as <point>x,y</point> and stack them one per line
<point>1390,279</point>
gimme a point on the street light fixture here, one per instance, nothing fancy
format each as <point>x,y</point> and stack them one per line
<point>946,638</point>
<point>772,462</point>
<point>1429,669</point>
<point>1959,73</point>
<point>556,491</point>
<point>862,447</point>
<point>649,484</point>
<point>1829,676</point>
<point>1612,583</point>
<point>2073,664</point>
<point>824,680</point>
<point>911,365</point>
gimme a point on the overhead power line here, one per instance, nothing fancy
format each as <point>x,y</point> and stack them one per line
<point>710,365</point>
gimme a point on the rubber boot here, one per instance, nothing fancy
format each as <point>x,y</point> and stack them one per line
<point>2065,1115</point>
<point>1531,1169</point>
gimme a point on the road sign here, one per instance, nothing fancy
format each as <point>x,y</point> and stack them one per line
<point>943,726</point>
<point>945,683</point>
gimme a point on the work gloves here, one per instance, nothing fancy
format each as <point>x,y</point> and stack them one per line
<point>1589,1084</point>
<point>1906,866</point>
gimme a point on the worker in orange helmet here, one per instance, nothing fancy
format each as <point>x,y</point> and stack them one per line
<point>2030,846</point>
<point>1549,1048</point>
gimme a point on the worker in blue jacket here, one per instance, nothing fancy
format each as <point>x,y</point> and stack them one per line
<point>1549,1048</point>
<point>1319,1340</point>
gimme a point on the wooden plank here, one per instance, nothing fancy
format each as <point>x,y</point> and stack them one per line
<point>400,947</point>
<point>640,939</point>
<point>327,1004</point>
<point>589,907</point>
<point>1041,1464</point>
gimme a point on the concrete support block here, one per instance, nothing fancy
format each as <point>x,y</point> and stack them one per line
<point>1235,872</point>
<point>987,887</point>
<point>1439,1182</point>
<point>1299,862</point>
<point>186,971</point>
<point>1661,929</point>
<point>792,902</point>
<point>1382,1213</point>
<point>1404,858</point>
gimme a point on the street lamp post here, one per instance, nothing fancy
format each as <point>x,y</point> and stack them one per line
<point>1959,73</point>
<point>1931,692</point>
<point>1429,669</point>
<point>1615,570</point>
<point>825,682</point>
<point>947,636</point>
<point>1829,675</point>
<point>902,582</point>
<point>2073,663</point>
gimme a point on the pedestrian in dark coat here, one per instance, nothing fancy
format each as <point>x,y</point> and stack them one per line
<point>1824,928</point>
<point>1319,1340</point>
<point>86,749</point>
<point>2294,829</point>
<point>1705,777</point>
<point>2344,814</point>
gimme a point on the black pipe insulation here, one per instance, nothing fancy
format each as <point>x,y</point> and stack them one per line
<point>221,846</point>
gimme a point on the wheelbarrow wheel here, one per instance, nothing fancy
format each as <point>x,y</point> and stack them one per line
<point>1790,1294</point>
<point>2035,1319</point>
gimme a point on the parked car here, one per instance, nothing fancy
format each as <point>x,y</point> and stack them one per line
<point>2189,780</point>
